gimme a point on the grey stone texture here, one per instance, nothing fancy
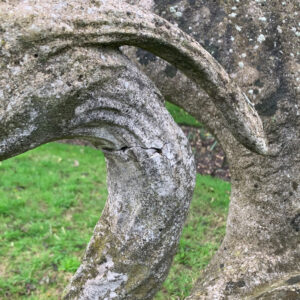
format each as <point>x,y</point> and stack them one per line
<point>257,43</point>
<point>62,76</point>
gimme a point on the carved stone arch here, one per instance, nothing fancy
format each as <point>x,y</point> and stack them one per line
<point>264,206</point>
<point>67,79</point>
<point>150,183</point>
<point>48,29</point>
<point>151,172</point>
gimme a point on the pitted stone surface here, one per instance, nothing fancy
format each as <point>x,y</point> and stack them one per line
<point>44,28</point>
<point>62,76</point>
<point>257,42</point>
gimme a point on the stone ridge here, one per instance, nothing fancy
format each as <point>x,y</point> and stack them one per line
<point>51,30</point>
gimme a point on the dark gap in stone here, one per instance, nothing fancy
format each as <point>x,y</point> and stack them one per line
<point>296,222</point>
<point>293,280</point>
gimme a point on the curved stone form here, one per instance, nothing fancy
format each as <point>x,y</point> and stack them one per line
<point>51,27</point>
<point>260,254</point>
<point>150,165</point>
<point>61,76</point>
<point>150,184</point>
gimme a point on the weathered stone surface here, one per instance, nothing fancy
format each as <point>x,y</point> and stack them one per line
<point>52,27</point>
<point>55,84</point>
<point>99,95</point>
<point>257,42</point>
<point>150,183</point>
<point>61,76</point>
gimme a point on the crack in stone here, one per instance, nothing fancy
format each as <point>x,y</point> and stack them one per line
<point>126,148</point>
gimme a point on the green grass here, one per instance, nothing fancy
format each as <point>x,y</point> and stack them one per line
<point>47,214</point>
<point>50,200</point>
<point>181,116</point>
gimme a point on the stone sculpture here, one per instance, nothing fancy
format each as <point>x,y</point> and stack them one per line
<point>62,76</point>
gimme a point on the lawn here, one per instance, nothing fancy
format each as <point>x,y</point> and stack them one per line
<point>50,200</point>
<point>181,117</point>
